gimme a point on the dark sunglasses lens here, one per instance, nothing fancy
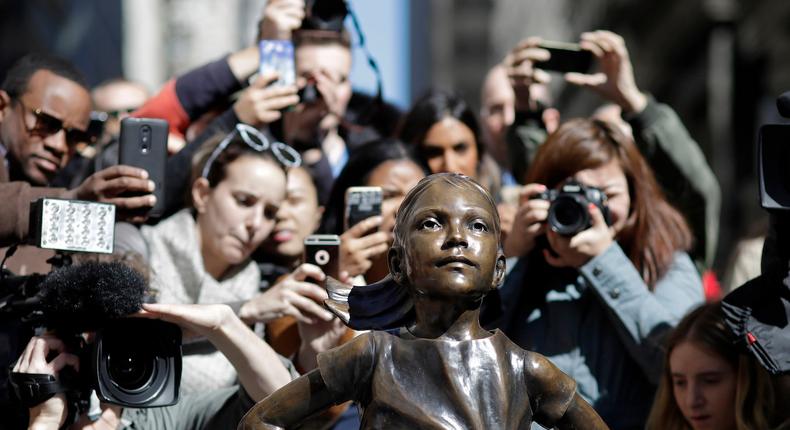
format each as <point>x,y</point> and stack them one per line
<point>47,124</point>
<point>74,136</point>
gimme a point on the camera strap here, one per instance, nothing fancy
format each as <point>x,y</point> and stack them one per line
<point>32,389</point>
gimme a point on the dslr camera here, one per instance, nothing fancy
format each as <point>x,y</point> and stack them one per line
<point>325,16</point>
<point>568,213</point>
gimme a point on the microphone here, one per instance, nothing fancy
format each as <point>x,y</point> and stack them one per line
<point>84,297</point>
<point>783,104</point>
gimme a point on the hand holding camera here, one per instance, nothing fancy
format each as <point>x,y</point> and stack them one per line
<point>528,223</point>
<point>51,413</point>
<point>615,80</point>
<point>281,18</point>
<point>520,65</point>
<point>575,251</point>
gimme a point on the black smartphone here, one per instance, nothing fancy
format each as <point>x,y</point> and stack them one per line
<point>323,250</point>
<point>773,147</point>
<point>143,144</point>
<point>565,57</point>
<point>362,203</point>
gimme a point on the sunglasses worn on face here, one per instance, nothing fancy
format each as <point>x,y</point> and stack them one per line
<point>283,153</point>
<point>47,125</point>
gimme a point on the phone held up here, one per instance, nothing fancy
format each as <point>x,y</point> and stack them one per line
<point>278,56</point>
<point>143,144</point>
<point>323,250</point>
<point>565,57</point>
<point>362,203</point>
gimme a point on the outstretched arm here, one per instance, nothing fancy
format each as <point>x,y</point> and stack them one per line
<point>291,404</point>
<point>580,415</point>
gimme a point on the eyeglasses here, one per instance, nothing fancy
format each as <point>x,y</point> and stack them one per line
<point>284,154</point>
<point>47,125</point>
<point>117,113</point>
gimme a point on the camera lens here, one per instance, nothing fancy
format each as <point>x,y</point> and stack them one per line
<point>567,216</point>
<point>129,370</point>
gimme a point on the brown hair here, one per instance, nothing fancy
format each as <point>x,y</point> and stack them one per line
<point>654,230</point>
<point>322,37</point>
<point>754,394</point>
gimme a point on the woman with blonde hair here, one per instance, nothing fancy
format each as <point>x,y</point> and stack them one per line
<point>707,383</point>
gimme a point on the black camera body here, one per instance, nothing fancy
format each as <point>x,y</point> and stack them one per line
<point>132,362</point>
<point>568,213</point>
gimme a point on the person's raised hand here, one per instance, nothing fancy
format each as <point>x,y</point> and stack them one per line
<point>522,72</point>
<point>194,319</point>
<point>260,104</point>
<point>50,414</point>
<point>529,222</point>
<point>615,79</point>
<point>360,244</point>
<point>111,184</point>
<point>294,295</point>
<point>280,19</point>
<point>576,251</point>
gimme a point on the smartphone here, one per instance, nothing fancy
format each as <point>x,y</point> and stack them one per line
<point>565,57</point>
<point>362,203</point>
<point>278,56</point>
<point>143,144</point>
<point>323,250</point>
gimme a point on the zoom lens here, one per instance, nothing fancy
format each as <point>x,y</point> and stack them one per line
<point>130,371</point>
<point>567,216</point>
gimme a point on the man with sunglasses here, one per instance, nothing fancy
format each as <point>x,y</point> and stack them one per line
<point>44,113</point>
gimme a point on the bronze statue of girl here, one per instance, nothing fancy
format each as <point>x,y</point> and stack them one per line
<point>435,366</point>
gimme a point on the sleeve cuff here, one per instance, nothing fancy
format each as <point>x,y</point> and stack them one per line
<point>649,115</point>
<point>613,275</point>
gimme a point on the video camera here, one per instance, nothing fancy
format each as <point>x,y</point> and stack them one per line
<point>133,362</point>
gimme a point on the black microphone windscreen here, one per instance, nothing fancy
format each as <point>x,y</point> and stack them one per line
<point>83,297</point>
<point>783,104</point>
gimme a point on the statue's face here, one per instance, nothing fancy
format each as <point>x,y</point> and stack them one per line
<point>450,246</point>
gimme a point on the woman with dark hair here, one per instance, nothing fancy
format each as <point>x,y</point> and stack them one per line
<point>202,254</point>
<point>597,301</point>
<point>447,137</point>
<point>707,383</point>
<point>385,163</point>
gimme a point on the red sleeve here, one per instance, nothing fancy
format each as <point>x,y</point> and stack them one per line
<point>165,105</point>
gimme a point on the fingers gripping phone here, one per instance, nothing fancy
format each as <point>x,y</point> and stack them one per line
<point>362,203</point>
<point>323,250</point>
<point>278,56</point>
<point>565,57</point>
<point>143,144</point>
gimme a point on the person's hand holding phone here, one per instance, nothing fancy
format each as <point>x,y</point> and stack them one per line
<point>522,73</point>
<point>294,295</point>
<point>110,184</point>
<point>261,103</point>
<point>280,19</point>
<point>615,79</point>
<point>360,244</point>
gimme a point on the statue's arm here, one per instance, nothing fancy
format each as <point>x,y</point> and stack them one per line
<point>291,404</point>
<point>580,415</point>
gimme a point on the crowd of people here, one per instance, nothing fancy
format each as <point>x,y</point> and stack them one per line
<point>253,169</point>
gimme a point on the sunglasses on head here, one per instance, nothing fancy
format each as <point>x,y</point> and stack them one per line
<point>284,154</point>
<point>47,125</point>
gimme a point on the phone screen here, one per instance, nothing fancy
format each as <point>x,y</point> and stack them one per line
<point>278,56</point>
<point>362,203</point>
<point>565,57</point>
